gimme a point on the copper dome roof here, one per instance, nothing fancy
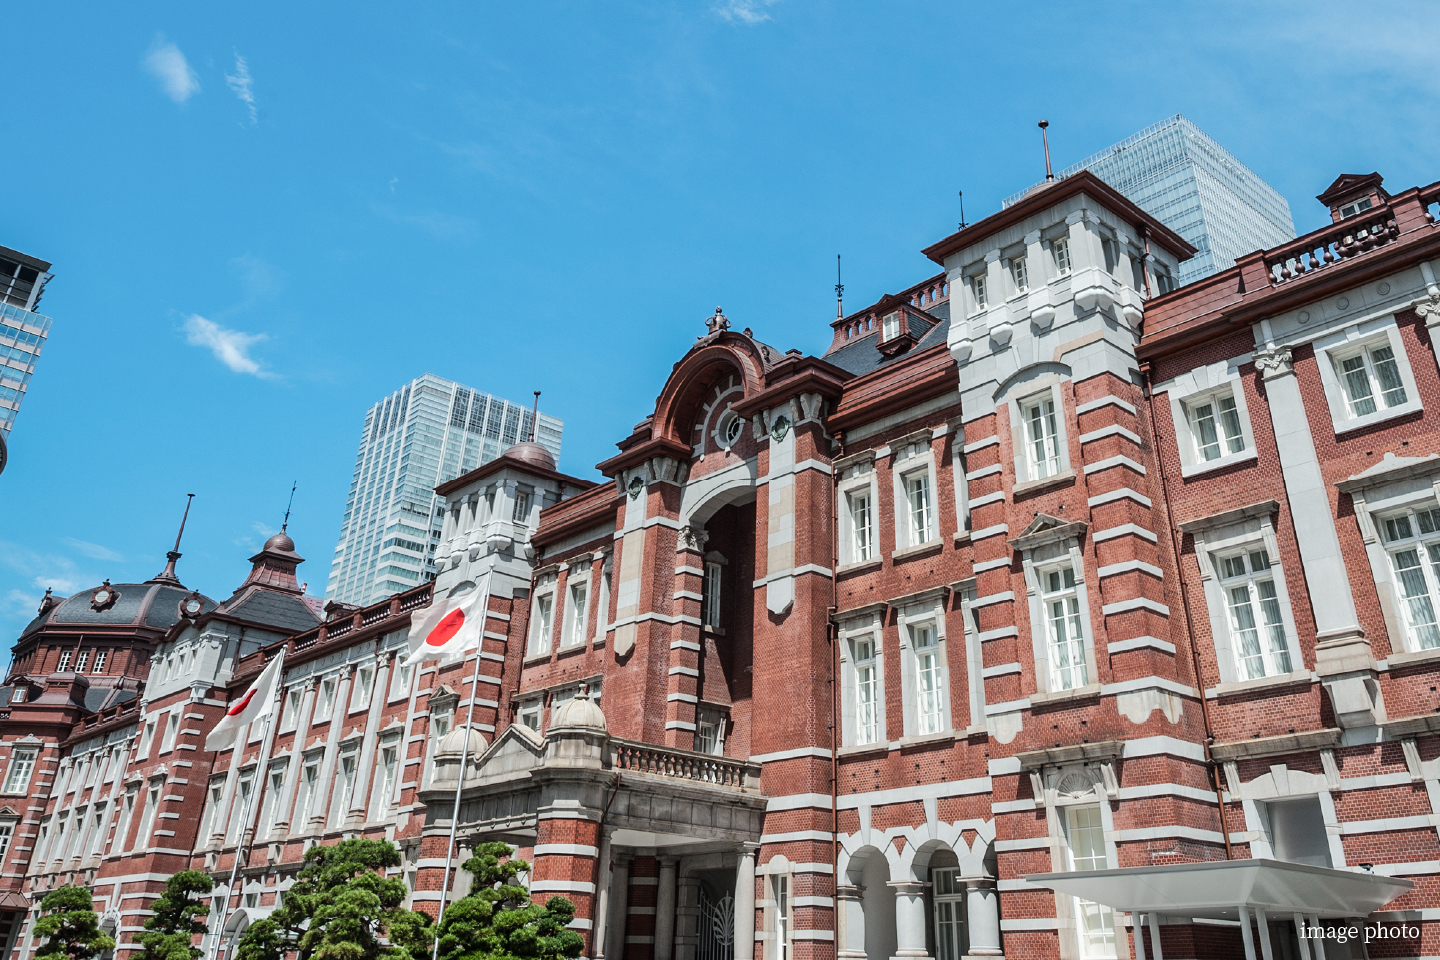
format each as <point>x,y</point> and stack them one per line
<point>531,453</point>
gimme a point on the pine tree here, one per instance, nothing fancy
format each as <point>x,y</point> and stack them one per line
<point>169,934</point>
<point>70,924</point>
<point>497,919</point>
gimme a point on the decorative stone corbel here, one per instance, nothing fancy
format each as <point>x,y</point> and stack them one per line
<point>1412,760</point>
<point>1344,664</point>
<point>691,539</point>
<point>1274,362</point>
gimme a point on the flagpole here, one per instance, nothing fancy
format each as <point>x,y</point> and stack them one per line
<point>240,841</point>
<point>459,785</point>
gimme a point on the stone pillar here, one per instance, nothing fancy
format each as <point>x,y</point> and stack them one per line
<point>338,709</point>
<point>295,771</point>
<point>982,911</point>
<point>910,920</point>
<point>665,910</point>
<point>849,921</point>
<point>365,772</point>
<point>617,927</point>
<point>687,918</point>
<point>602,901</point>
<point>745,902</point>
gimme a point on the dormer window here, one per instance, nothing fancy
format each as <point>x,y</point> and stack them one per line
<point>890,326</point>
<point>1351,209</point>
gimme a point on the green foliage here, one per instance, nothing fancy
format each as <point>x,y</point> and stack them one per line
<point>177,918</point>
<point>70,925</point>
<point>497,919</point>
<point>341,907</point>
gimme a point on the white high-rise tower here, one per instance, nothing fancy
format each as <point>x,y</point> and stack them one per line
<point>429,431</point>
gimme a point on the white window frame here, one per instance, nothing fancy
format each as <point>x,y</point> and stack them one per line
<point>99,665</point>
<point>362,688</point>
<point>153,792</point>
<point>270,802</point>
<point>342,789</point>
<point>325,694</point>
<point>710,726</point>
<point>386,777</point>
<point>305,790</point>
<point>1017,268</point>
<point>400,678</point>
<point>542,627</point>
<point>1027,469</point>
<point>1182,407</point>
<point>602,605</point>
<point>22,769</point>
<point>911,458</point>
<point>1038,560</point>
<point>172,730</point>
<point>577,612</point>
<point>712,592</point>
<point>523,503</point>
<point>914,621</point>
<point>7,834</point>
<point>1060,254</point>
<point>1066,815</point>
<point>64,664</point>
<point>1330,351</point>
<point>244,787</point>
<point>1241,571</point>
<point>977,285</point>
<point>291,706</point>
<point>859,481</point>
<point>778,936</point>
<point>960,481</point>
<point>890,326</point>
<point>532,709</point>
<point>865,628</point>
<point>1226,534</point>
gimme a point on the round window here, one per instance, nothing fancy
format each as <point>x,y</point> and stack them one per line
<point>731,430</point>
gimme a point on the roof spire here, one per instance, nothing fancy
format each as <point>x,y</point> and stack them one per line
<point>286,523</point>
<point>962,208</point>
<point>534,416</point>
<point>1049,174</point>
<point>839,291</point>
<point>168,574</point>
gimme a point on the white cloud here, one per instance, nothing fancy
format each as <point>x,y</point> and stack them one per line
<point>231,347</point>
<point>93,550</point>
<point>241,84</point>
<point>748,12</point>
<point>168,65</point>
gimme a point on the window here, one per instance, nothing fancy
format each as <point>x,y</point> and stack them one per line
<point>731,431</point>
<point>780,894</point>
<point>579,610</point>
<point>1412,541</point>
<point>710,602</point>
<point>147,738</point>
<point>439,726</point>
<point>22,764</point>
<point>77,835</point>
<point>127,813</point>
<point>1351,209</point>
<point>309,779</point>
<point>241,812</point>
<point>1042,437</point>
<point>710,732</point>
<point>540,628</point>
<point>82,661</point>
<point>1255,621</point>
<point>7,831</point>
<point>919,512</point>
<point>252,900</point>
<point>1215,427</point>
<point>949,900</point>
<point>1020,273</point>
<point>325,701</point>
<point>521,513</point>
<point>1297,831</point>
<point>602,606</point>
<point>530,715</point>
<point>271,807</point>
<point>172,730</point>
<point>97,833</point>
<point>1085,842</point>
<point>99,661</point>
<point>929,680</point>
<point>147,817</point>
<point>389,770</point>
<point>867,691</point>
<point>291,716</point>
<point>1060,248</point>
<point>978,291</point>
<point>1164,282</point>
<point>401,686</point>
<point>64,661</point>
<point>364,680</point>
<point>58,843</point>
<point>344,787</point>
<point>1063,628</point>
<point>890,326</point>
<point>1111,250</point>
<point>1371,379</point>
<point>862,541</point>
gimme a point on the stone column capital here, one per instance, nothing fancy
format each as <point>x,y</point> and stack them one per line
<point>1274,362</point>
<point>908,888</point>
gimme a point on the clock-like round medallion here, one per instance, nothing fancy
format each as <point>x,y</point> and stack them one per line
<point>101,597</point>
<point>192,606</point>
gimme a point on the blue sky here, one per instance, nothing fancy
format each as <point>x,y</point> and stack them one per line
<point>264,217</point>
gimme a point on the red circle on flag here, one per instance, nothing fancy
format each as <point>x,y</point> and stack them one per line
<point>242,704</point>
<point>448,626</point>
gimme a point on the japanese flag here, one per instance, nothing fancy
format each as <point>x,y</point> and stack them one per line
<point>256,702</point>
<point>447,630</point>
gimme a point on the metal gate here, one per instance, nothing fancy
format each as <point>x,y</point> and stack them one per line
<point>717,925</point>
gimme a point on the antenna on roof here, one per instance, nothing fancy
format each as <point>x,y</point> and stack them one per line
<point>839,291</point>
<point>534,415</point>
<point>1049,174</point>
<point>293,485</point>
<point>961,193</point>
<point>168,574</point>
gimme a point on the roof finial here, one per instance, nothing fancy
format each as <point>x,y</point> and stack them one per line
<point>718,323</point>
<point>168,574</point>
<point>1049,175</point>
<point>285,524</point>
<point>534,416</point>
<point>839,291</point>
<point>962,208</point>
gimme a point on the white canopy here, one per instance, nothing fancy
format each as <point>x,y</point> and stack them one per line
<point>1216,889</point>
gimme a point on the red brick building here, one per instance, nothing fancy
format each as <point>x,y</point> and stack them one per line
<point>1051,612</point>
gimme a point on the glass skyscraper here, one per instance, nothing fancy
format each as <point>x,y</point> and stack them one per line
<point>1179,175</point>
<point>22,330</point>
<point>429,431</point>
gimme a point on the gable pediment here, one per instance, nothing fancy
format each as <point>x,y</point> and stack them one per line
<point>1048,529</point>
